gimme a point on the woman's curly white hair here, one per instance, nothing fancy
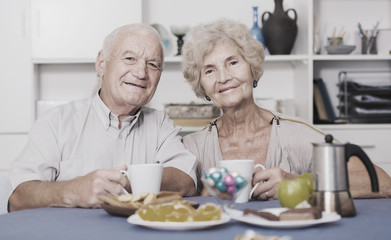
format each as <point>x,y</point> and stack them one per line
<point>203,39</point>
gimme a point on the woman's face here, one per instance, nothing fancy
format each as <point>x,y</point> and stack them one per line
<point>226,76</point>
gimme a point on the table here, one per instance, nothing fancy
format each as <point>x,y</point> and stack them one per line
<point>373,221</point>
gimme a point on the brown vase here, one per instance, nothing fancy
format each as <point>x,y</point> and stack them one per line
<point>279,29</point>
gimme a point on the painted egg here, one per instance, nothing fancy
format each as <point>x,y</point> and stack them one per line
<point>221,186</point>
<point>240,182</point>
<point>223,170</point>
<point>212,170</point>
<point>229,180</point>
<point>216,176</point>
<point>231,189</point>
<point>210,182</point>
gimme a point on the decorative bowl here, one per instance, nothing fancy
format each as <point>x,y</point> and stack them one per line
<point>224,185</point>
<point>340,49</point>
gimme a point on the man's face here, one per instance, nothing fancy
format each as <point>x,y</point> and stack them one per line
<point>131,72</point>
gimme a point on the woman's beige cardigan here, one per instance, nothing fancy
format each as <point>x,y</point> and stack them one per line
<point>290,146</point>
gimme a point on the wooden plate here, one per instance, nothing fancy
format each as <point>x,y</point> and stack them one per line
<point>118,211</point>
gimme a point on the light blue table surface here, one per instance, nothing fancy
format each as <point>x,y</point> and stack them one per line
<point>373,221</point>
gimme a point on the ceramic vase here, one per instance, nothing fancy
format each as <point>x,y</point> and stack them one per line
<point>279,29</point>
<point>255,31</point>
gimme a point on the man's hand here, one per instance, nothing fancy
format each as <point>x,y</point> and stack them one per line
<point>79,192</point>
<point>84,191</point>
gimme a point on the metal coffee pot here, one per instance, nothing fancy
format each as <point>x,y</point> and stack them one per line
<point>330,175</point>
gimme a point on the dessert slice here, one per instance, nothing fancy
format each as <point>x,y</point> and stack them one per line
<point>265,215</point>
<point>301,214</point>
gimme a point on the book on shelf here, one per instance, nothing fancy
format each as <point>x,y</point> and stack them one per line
<point>324,112</point>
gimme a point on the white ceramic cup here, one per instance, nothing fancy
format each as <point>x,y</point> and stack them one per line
<point>145,177</point>
<point>246,169</point>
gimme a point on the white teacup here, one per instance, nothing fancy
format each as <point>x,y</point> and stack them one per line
<point>145,177</point>
<point>246,169</point>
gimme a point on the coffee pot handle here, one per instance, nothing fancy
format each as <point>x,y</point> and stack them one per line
<point>354,150</point>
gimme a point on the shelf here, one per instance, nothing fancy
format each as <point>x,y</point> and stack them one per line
<point>268,58</point>
<point>350,57</point>
<point>283,58</point>
<point>352,126</point>
<point>173,59</point>
<point>62,60</point>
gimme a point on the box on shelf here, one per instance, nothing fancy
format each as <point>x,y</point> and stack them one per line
<point>192,114</point>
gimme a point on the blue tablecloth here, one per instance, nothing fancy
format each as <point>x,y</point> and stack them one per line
<point>373,221</point>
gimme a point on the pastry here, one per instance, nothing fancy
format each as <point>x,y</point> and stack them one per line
<point>266,215</point>
<point>301,214</point>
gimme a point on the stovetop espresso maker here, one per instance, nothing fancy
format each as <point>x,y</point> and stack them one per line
<point>330,175</point>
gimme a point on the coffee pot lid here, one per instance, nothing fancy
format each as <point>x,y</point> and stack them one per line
<point>328,142</point>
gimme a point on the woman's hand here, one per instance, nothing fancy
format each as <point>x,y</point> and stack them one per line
<point>268,180</point>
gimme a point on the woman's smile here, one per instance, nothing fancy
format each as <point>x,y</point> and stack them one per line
<point>227,89</point>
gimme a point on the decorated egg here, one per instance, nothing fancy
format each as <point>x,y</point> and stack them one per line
<point>221,186</point>
<point>240,182</point>
<point>223,170</point>
<point>229,180</point>
<point>231,189</point>
<point>212,170</point>
<point>210,182</point>
<point>216,176</point>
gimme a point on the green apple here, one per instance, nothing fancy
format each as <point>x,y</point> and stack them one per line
<point>292,192</point>
<point>307,177</point>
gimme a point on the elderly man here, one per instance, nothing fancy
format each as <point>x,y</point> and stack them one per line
<point>75,152</point>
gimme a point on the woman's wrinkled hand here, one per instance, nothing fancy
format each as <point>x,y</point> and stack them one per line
<point>268,180</point>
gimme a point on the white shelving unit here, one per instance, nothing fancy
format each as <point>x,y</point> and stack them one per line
<point>62,76</point>
<point>347,14</point>
<point>16,103</point>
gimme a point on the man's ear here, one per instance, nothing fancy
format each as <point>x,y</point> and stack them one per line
<point>100,64</point>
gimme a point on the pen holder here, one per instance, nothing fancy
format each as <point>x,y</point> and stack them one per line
<point>369,46</point>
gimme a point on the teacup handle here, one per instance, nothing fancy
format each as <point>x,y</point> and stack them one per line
<point>124,173</point>
<point>256,185</point>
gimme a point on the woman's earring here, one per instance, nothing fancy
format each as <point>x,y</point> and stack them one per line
<point>255,84</point>
<point>207,98</point>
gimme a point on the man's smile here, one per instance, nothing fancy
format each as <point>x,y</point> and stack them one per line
<point>133,84</point>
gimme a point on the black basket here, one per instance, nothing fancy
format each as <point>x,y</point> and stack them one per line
<point>364,102</point>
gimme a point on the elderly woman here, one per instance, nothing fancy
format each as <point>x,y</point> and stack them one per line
<point>223,64</point>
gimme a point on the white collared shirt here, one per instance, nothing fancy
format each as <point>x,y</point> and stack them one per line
<point>82,136</point>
